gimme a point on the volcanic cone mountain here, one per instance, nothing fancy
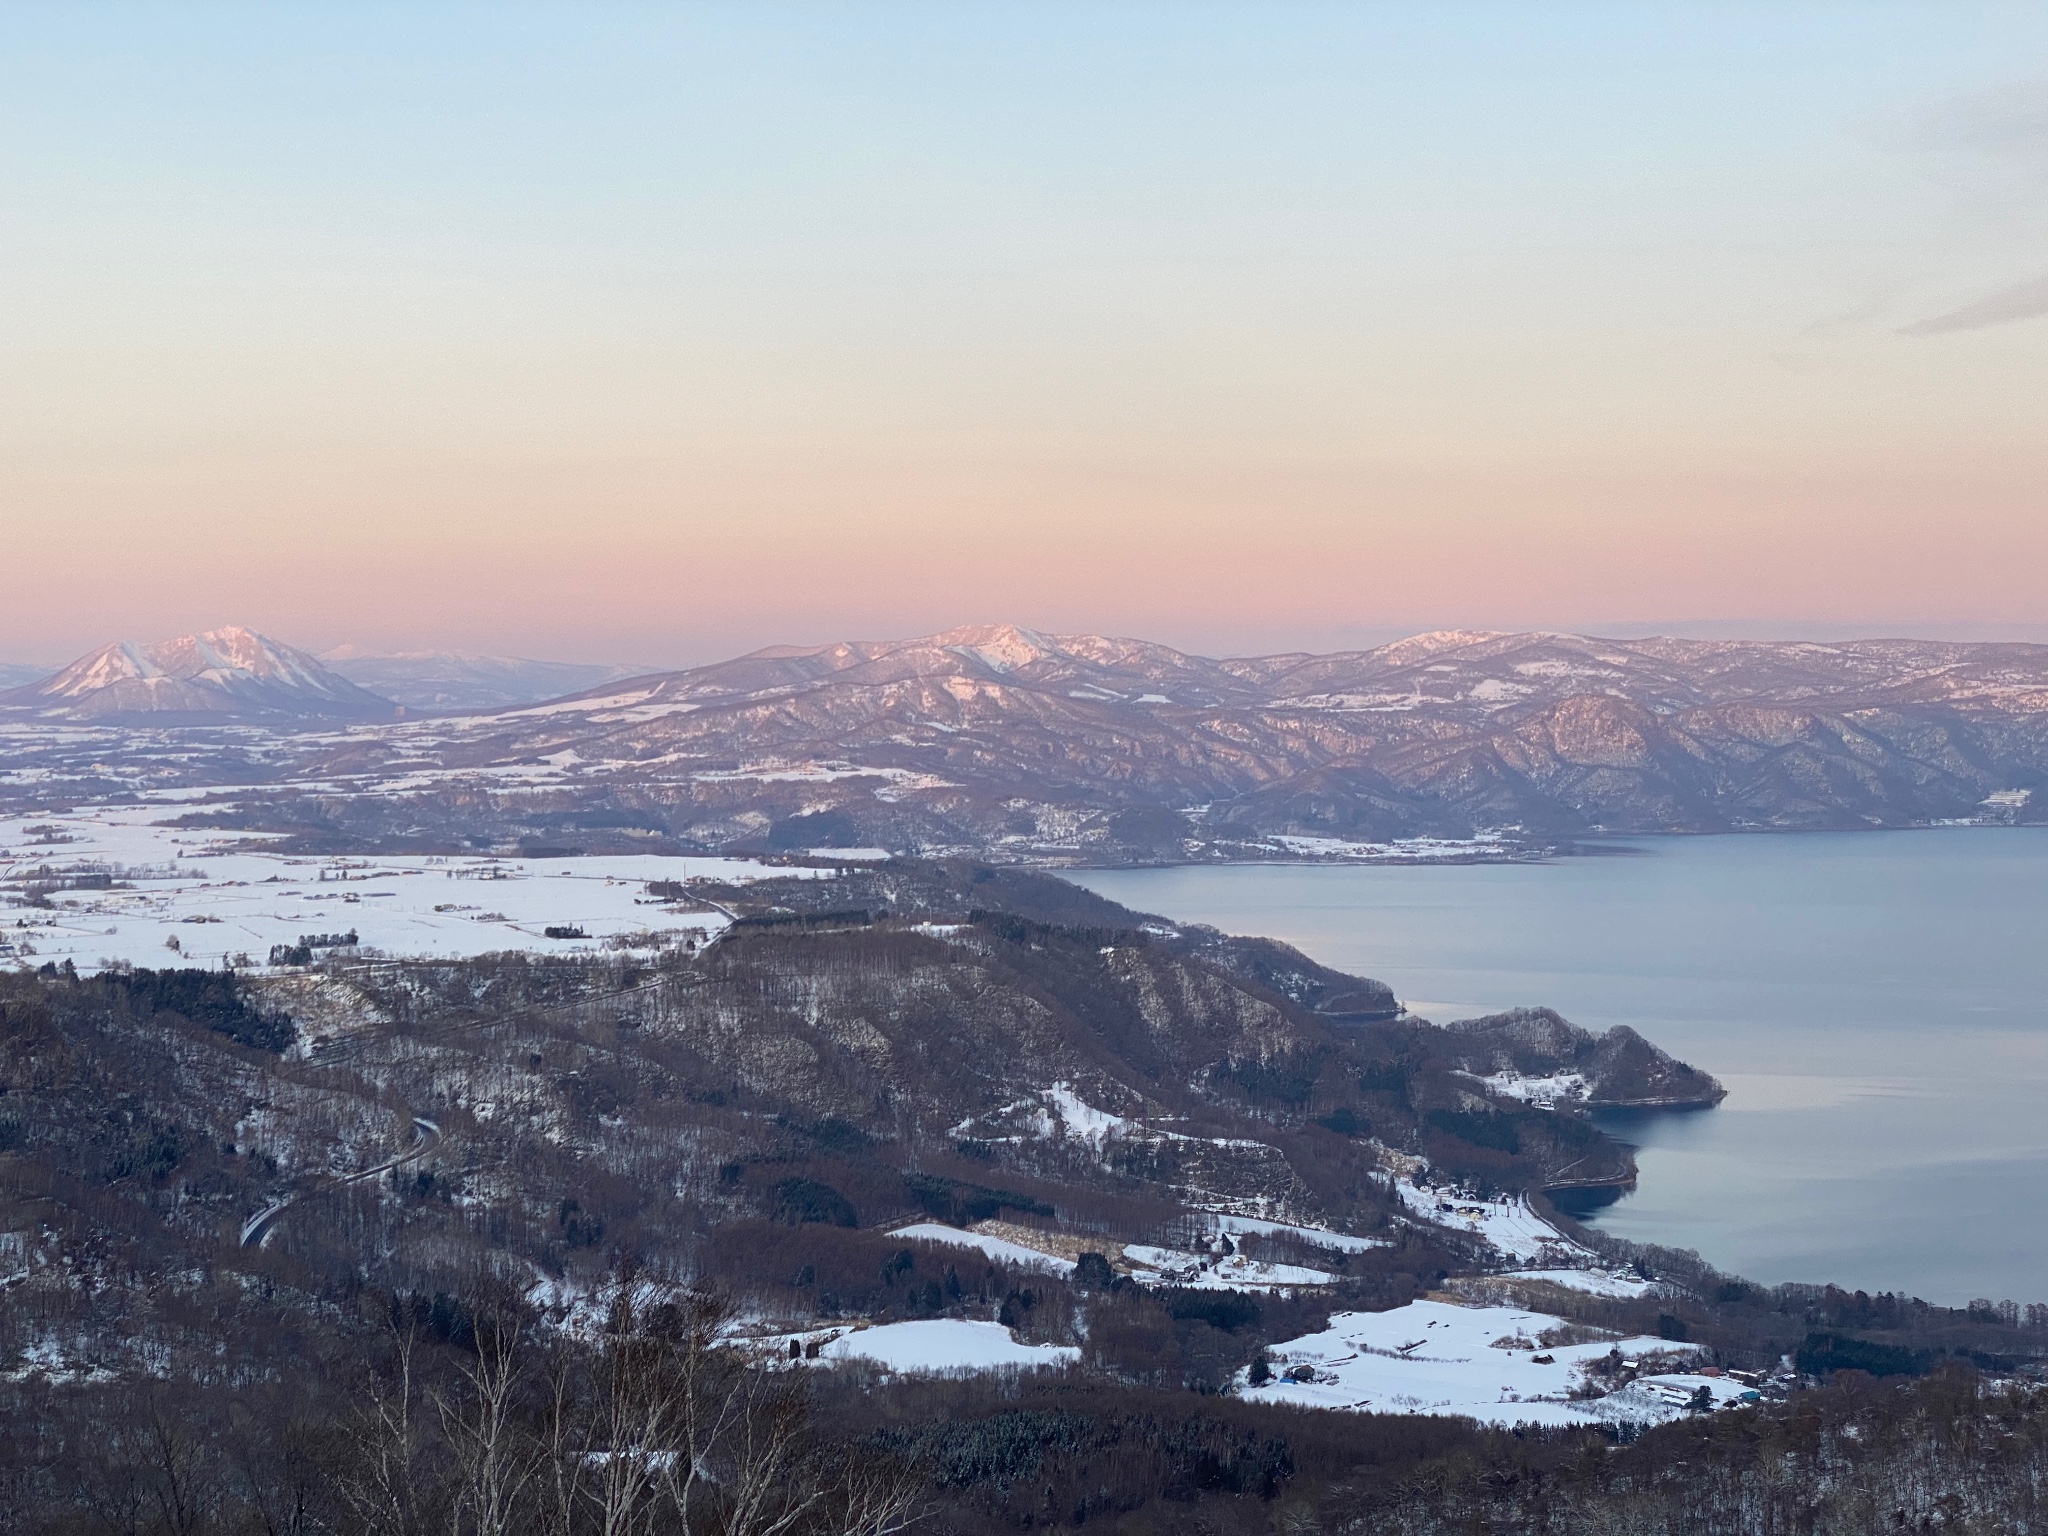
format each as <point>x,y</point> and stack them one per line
<point>223,674</point>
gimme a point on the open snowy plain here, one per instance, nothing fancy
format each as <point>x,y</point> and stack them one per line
<point>121,885</point>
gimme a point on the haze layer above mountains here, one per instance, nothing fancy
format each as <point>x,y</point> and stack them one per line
<point>1008,742</point>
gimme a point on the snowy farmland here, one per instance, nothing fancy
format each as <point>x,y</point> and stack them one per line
<point>117,885</point>
<point>946,1344</point>
<point>1484,1363</point>
<point>933,1347</point>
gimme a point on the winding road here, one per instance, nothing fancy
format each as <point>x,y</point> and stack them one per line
<point>426,1134</point>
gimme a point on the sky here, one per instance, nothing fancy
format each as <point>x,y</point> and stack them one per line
<point>657,333</point>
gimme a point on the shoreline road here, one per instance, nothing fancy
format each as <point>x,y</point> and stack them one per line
<point>426,1134</point>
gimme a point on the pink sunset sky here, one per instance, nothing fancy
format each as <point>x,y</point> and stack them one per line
<point>660,334</point>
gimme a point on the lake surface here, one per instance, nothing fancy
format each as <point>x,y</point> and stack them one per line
<point>1875,1002</point>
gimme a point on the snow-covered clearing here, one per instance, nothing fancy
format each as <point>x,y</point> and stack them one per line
<point>1000,1249</point>
<point>1485,1363</point>
<point>176,896</point>
<point>1321,1237</point>
<point>1082,1120</point>
<point>1508,1225</point>
<point>936,1347</point>
<point>1615,1283</point>
<point>946,1344</point>
<point>1232,1272</point>
<point>1077,1118</point>
<point>1543,1091</point>
<point>1145,1264</point>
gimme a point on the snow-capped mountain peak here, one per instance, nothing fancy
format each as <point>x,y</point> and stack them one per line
<point>999,647</point>
<point>122,661</point>
<point>226,672</point>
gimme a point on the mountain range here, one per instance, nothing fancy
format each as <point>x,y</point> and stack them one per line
<point>1008,741</point>
<point>1015,744</point>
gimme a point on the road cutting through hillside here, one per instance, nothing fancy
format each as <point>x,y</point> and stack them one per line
<point>256,1230</point>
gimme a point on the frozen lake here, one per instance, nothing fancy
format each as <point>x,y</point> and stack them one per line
<point>1876,1002</point>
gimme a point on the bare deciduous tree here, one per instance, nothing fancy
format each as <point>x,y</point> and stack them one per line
<point>689,1432</point>
<point>493,1458</point>
<point>381,1480</point>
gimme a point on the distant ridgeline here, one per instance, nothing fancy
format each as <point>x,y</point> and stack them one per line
<point>1033,748</point>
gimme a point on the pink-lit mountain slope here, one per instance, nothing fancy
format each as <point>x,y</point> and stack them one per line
<point>1004,738</point>
<point>223,674</point>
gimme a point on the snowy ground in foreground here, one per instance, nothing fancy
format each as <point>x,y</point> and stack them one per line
<point>218,905</point>
<point>1429,1357</point>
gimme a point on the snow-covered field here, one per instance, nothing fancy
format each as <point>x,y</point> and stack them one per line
<point>1485,1363</point>
<point>1509,1225</point>
<point>946,1344</point>
<point>933,1347</point>
<point>179,898</point>
<point>1000,1249</point>
<point>1232,1272</point>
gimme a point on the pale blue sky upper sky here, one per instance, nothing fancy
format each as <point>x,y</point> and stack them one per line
<point>666,331</point>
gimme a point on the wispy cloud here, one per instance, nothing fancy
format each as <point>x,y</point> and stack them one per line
<point>2006,123</point>
<point>2025,302</point>
<point>1855,316</point>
